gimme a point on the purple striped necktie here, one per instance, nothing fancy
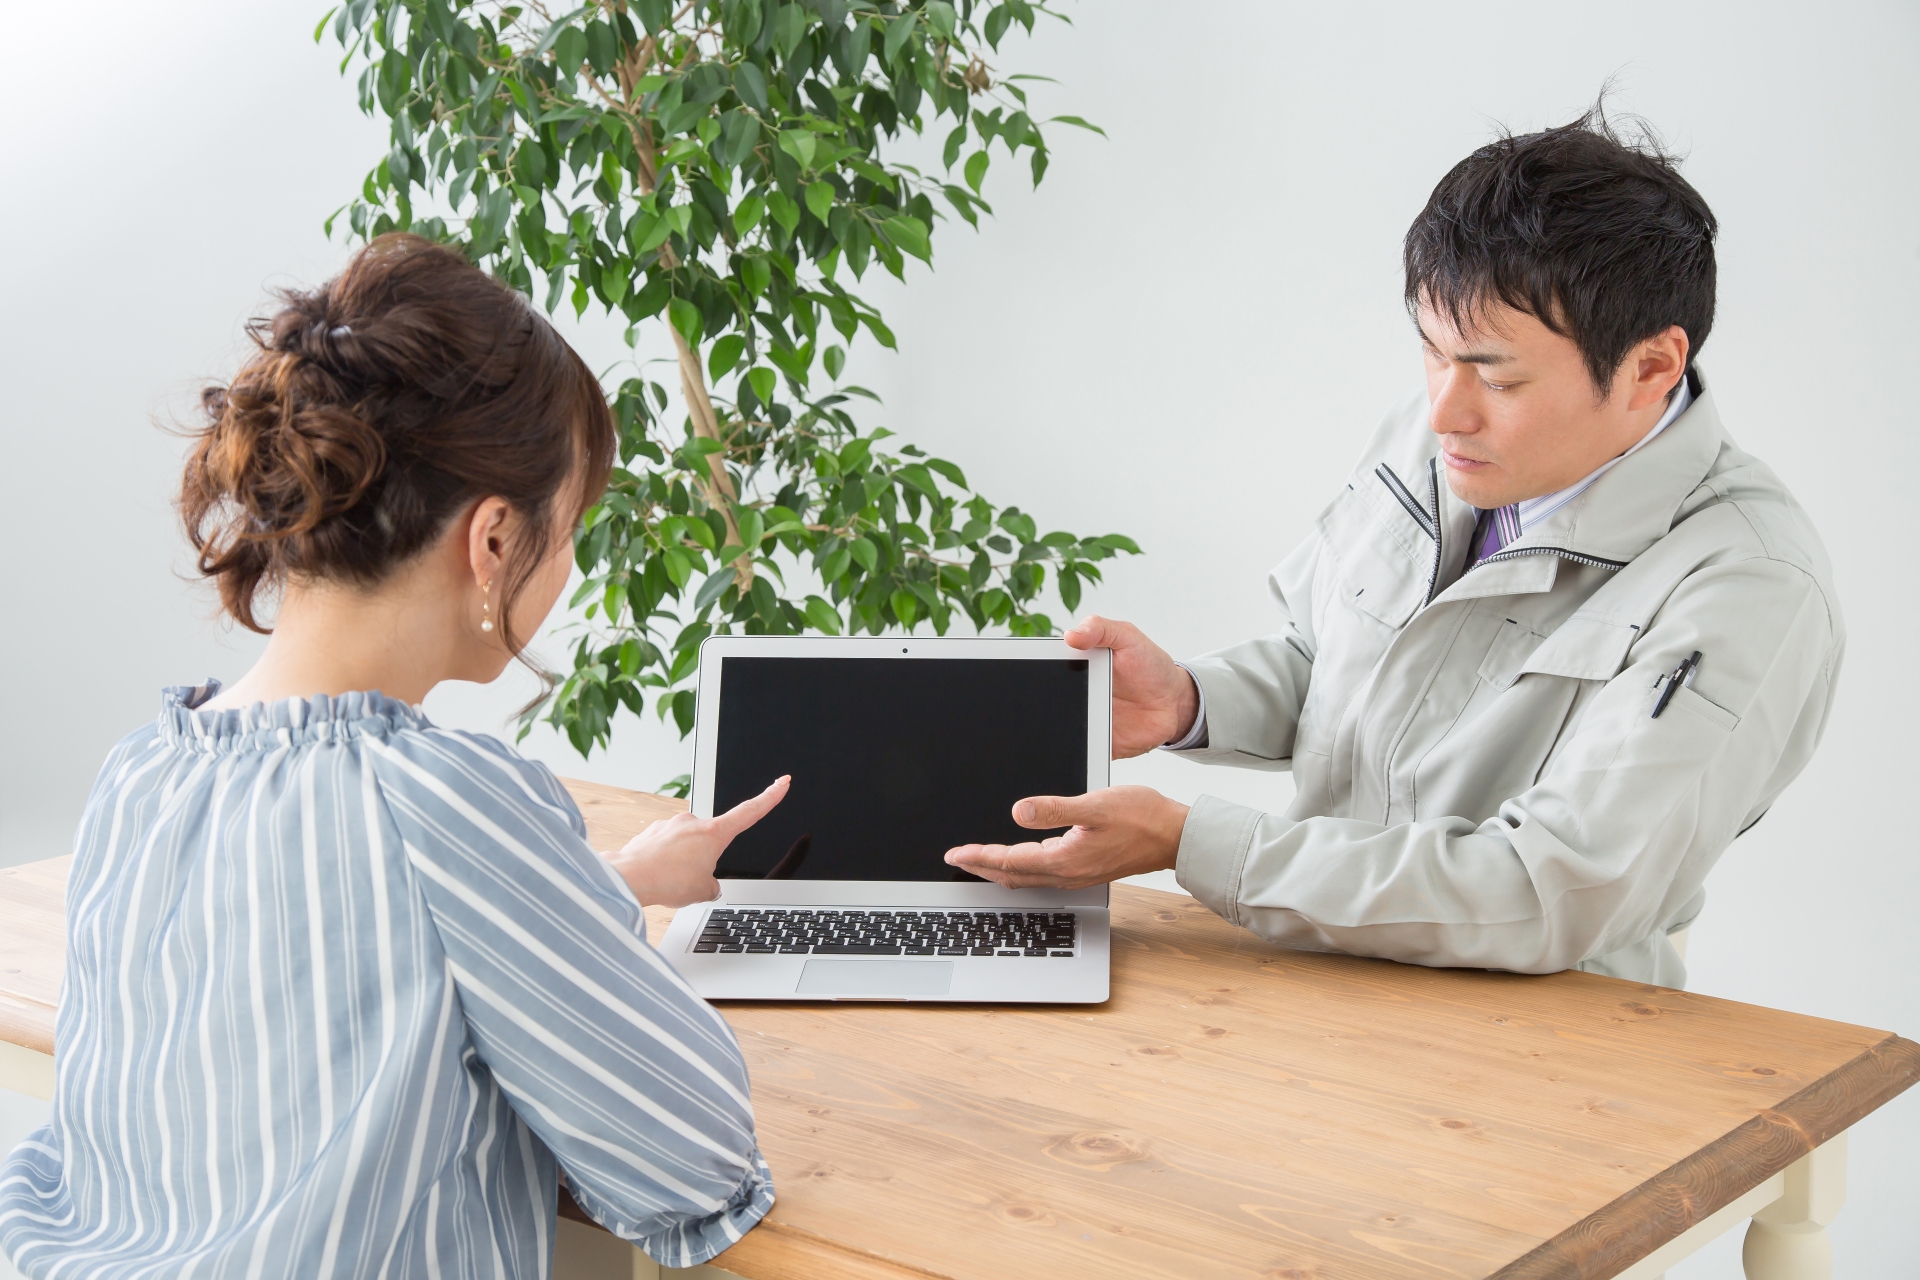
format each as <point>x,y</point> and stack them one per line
<point>1494,530</point>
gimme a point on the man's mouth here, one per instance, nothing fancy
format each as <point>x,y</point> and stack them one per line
<point>1460,462</point>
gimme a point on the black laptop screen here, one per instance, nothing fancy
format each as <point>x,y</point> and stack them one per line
<point>894,760</point>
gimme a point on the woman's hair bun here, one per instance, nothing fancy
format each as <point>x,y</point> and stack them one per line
<point>374,409</point>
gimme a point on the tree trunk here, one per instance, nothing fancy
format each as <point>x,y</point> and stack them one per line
<point>693,379</point>
<point>706,425</point>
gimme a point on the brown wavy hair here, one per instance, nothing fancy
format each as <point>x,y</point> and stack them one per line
<point>375,409</point>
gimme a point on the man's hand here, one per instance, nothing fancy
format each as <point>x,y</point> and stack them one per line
<point>1118,831</point>
<point>670,864</point>
<point>1154,701</point>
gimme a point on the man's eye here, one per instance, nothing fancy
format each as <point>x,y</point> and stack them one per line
<point>1495,386</point>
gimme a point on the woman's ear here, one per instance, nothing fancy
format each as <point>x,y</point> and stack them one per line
<point>489,526</point>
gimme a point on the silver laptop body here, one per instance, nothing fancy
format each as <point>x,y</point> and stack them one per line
<point>900,748</point>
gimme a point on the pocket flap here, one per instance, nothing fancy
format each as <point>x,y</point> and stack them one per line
<point>1507,656</point>
<point>1583,648</point>
<point>1380,574</point>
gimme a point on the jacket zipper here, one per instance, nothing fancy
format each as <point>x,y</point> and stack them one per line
<point>1429,522</point>
<point>1597,562</point>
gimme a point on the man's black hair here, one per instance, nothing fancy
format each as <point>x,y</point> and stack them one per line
<point>1595,235</point>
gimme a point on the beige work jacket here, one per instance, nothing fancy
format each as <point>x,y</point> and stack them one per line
<point>1479,777</point>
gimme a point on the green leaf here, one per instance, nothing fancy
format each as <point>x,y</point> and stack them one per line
<point>763,382</point>
<point>746,215</point>
<point>603,47</point>
<point>750,82</point>
<point>822,616</point>
<point>686,318</point>
<point>713,588</point>
<point>917,475</point>
<point>997,22</point>
<point>570,51</point>
<point>679,565</point>
<point>854,454</point>
<point>864,553</point>
<point>976,170</point>
<point>899,31</point>
<point>955,140</point>
<point>789,24</point>
<point>910,234</point>
<point>785,212</point>
<point>881,334</point>
<point>906,606</point>
<point>799,144</point>
<point>820,199</point>
<point>948,470</point>
<point>834,359</point>
<point>752,527</point>
<point>725,355</point>
<point>1078,123</point>
<point>702,532</point>
<point>835,565</point>
<point>557,29</point>
<point>653,233</point>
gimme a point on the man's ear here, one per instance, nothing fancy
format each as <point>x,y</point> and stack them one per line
<point>1656,366</point>
<point>489,525</point>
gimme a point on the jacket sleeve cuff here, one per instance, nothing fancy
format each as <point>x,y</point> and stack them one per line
<point>1224,712</point>
<point>1213,853</point>
<point>1195,738</point>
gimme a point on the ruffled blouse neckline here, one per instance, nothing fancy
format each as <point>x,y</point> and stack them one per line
<point>288,722</point>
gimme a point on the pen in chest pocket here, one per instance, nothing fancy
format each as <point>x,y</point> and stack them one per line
<point>1682,675</point>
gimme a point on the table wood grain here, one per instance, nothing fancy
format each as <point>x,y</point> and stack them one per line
<point>1235,1110</point>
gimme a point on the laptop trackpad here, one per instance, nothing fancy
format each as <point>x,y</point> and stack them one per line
<point>875,978</point>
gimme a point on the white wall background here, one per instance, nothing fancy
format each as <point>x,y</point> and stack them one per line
<point>1182,336</point>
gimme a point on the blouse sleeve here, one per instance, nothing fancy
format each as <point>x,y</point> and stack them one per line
<point>635,1083</point>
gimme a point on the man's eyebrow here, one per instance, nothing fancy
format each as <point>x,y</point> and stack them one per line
<point>1471,357</point>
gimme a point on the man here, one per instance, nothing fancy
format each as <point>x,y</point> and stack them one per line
<point>1552,647</point>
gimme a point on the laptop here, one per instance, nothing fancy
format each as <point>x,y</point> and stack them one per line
<point>900,748</point>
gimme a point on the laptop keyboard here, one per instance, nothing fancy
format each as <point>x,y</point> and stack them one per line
<point>752,931</point>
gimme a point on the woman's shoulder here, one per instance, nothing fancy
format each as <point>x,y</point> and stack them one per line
<point>475,775</point>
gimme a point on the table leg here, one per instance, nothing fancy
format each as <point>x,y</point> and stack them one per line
<point>582,1252</point>
<point>1788,1240</point>
<point>25,1070</point>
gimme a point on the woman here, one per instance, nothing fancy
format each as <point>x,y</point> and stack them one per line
<point>345,991</point>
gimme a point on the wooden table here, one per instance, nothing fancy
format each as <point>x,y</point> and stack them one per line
<point>1237,1110</point>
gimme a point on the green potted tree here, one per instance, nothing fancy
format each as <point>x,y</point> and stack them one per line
<point>717,167</point>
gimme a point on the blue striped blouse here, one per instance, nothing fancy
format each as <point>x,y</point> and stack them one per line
<point>344,991</point>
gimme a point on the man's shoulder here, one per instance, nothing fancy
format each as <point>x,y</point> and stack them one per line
<point>1742,509</point>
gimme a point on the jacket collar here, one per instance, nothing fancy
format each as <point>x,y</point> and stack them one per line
<point>1620,515</point>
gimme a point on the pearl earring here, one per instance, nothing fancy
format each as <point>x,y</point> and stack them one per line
<point>486,608</point>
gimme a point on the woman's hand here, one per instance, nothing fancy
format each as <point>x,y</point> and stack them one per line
<point>670,864</point>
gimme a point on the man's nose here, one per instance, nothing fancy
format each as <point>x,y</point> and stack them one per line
<point>1451,401</point>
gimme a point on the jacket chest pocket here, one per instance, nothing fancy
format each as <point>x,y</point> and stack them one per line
<point>1581,648</point>
<point>1382,559</point>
